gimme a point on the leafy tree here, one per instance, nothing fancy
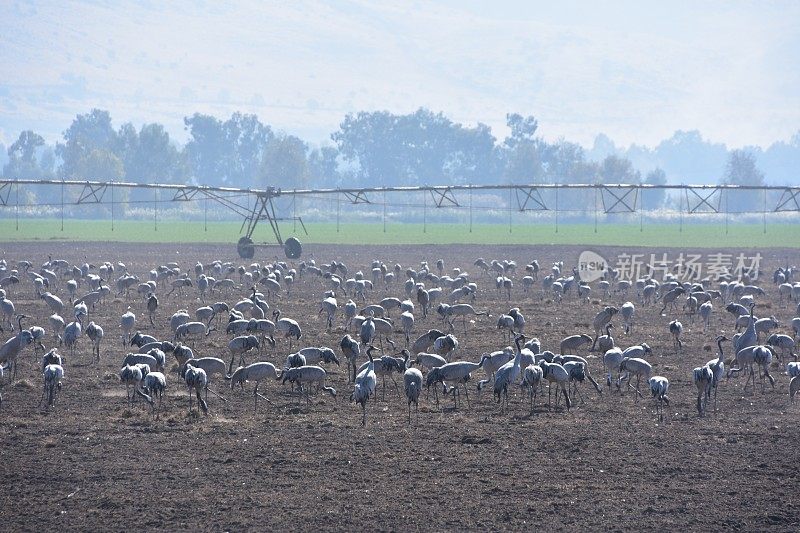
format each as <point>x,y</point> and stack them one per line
<point>780,161</point>
<point>523,164</point>
<point>602,147</point>
<point>126,148</point>
<point>434,149</point>
<point>323,167</point>
<point>284,164</point>
<point>422,147</point>
<point>616,169</point>
<point>205,151</point>
<point>47,162</point>
<point>24,149</point>
<point>156,158</point>
<point>22,160</point>
<point>654,198</point>
<point>101,164</point>
<point>563,162</point>
<point>148,156</point>
<point>741,170</point>
<point>522,152</point>
<point>88,132</point>
<point>226,153</point>
<point>689,158</point>
<point>368,140</point>
<point>472,156</point>
<point>522,128</point>
<point>246,139</point>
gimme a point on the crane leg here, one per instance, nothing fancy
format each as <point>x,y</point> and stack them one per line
<point>215,393</point>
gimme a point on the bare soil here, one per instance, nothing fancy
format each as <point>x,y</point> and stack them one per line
<point>93,462</point>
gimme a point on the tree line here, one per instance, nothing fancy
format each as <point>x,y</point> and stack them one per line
<point>369,149</point>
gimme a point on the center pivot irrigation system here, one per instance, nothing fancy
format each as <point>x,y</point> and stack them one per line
<point>255,205</point>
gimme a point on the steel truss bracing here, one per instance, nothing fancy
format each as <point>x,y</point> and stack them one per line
<point>184,195</point>
<point>788,200</point>
<point>443,197</point>
<point>263,209</point>
<point>5,192</point>
<point>92,193</point>
<point>619,198</point>
<point>529,199</point>
<point>703,200</point>
<point>356,197</point>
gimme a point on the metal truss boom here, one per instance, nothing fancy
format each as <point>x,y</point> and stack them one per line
<point>615,198</point>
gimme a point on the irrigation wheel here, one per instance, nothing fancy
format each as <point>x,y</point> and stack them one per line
<point>293,248</point>
<point>245,248</point>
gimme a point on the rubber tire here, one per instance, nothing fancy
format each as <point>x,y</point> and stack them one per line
<point>293,248</point>
<point>245,248</point>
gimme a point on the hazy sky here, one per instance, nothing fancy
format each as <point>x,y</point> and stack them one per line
<point>634,70</point>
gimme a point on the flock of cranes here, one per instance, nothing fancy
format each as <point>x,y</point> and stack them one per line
<point>423,328</point>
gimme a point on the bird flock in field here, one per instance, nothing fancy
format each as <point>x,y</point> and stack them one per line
<point>378,310</point>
